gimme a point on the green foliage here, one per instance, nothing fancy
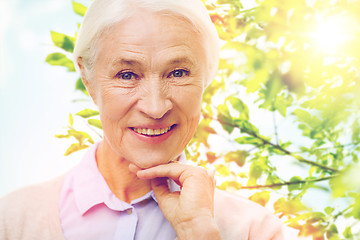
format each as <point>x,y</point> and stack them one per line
<point>81,87</point>
<point>273,69</point>
<point>86,113</point>
<point>74,148</point>
<point>295,183</point>
<point>59,59</point>
<point>95,123</point>
<point>261,198</point>
<point>63,41</point>
<point>347,233</point>
<point>71,120</point>
<point>79,8</point>
<point>83,139</point>
<point>239,157</point>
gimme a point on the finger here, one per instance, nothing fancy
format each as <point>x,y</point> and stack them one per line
<point>179,173</point>
<point>160,187</point>
<point>162,191</point>
<point>133,168</point>
<point>171,170</point>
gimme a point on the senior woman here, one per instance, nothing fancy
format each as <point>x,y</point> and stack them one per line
<point>145,64</point>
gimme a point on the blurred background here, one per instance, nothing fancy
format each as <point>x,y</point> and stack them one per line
<point>280,123</point>
<point>35,98</point>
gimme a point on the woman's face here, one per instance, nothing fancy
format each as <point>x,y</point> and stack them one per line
<point>148,82</point>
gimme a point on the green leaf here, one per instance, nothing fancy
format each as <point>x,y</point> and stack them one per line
<point>240,106</point>
<point>294,186</point>
<point>229,184</point>
<point>205,128</point>
<point>261,198</point>
<point>63,41</point>
<point>356,209</point>
<point>62,136</point>
<point>242,175</point>
<point>86,113</point>
<point>80,136</point>
<point>225,118</point>
<point>81,87</point>
<point>332,232</point>
<point>79,8</point>
<point>246,127</point>
<point>239,157</point>
<point>59,59</point>
<point>71,119</point>
<point>256,170</point>
<point>249,140</point>
<point>355,157</point>
<point>282,103</point>
<point>270,92</point>
<point>348,233</point>
<point>75,147</point>
<point>329,210</point>
<point>273,179</point>
<point>95,123</point>
<point>289,207</point>
<point>356,132</point>
<point>222,169</point>
<point>307,118</point>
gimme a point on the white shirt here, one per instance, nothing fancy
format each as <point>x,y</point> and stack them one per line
<point>89,210</point>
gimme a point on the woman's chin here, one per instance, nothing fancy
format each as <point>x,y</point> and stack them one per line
<point>149,164</point>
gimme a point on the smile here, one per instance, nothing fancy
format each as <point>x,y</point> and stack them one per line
<point>152,132</point>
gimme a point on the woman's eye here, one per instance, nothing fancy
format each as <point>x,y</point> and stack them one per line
<point>126,75</point>
<point>178,73</point>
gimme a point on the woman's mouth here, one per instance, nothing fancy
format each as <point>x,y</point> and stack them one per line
<point>152,132</point>
<point>153,135</point>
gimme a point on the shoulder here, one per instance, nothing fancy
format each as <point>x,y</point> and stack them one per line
<point>32,194</point>
<point>29,206</point>
<point>240,218</point>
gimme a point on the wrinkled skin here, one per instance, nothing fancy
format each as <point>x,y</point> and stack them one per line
<point>153,97</point>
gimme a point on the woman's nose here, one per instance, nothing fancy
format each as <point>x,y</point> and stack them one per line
<point>155,100</point>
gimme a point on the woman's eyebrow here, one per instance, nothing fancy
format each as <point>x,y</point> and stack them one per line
<point>136,62</point>
<point>181,60</point>
<point>123,61</point>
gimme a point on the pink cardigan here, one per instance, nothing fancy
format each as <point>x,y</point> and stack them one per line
<point>32,213</point>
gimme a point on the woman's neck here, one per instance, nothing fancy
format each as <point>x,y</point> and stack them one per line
<point>115,170</point>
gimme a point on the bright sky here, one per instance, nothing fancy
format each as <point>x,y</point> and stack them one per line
<point>35,98</point>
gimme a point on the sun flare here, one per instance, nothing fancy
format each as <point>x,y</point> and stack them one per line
<point>332,33</point>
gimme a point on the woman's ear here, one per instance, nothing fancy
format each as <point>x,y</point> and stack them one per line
<point>88,84</point>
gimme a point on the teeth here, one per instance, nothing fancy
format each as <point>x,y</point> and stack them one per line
<point>152,132</point>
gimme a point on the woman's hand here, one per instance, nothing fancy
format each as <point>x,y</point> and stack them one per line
<point>190,211</point>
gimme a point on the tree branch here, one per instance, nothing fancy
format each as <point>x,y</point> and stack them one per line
<point>342,212</point>
<point>289,183</point>
<point>298,158</point>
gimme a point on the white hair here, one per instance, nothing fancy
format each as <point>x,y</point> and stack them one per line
<point>102,14</point>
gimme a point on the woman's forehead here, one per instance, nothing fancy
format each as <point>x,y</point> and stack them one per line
<point>152,26</point>
<point>135,38</point>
